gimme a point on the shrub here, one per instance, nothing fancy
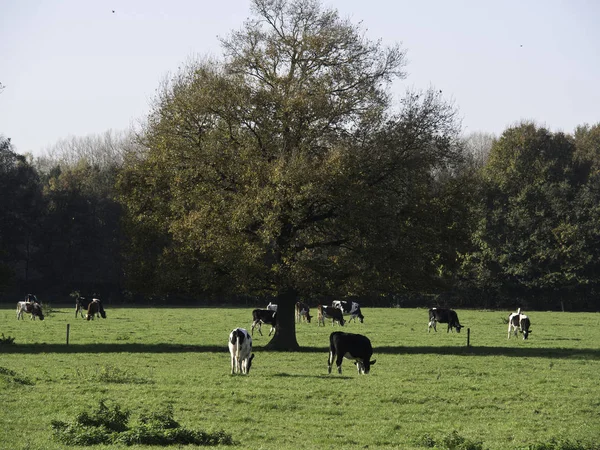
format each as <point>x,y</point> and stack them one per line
<point>557,444</point>
<point>109,426</point>
<point>7,340</point>
<point>452,441</point>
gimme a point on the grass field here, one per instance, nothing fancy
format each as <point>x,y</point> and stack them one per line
<point>423,390</point>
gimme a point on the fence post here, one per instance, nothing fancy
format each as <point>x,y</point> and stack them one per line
<point>68,327</point>
<point>468,337</point>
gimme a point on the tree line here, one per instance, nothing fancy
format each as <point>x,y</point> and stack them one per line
<point>285,170</point>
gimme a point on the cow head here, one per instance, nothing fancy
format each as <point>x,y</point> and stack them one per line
<point>458,327</point>
<point>364,367</point>
<point>37,311</point>
<point>525,324</point>
<point>342,321</point>
<point>308,317</point>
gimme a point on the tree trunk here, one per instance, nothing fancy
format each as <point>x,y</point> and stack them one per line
<point>285,332</point>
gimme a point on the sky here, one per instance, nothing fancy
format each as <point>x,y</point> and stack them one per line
<point>83,67</point>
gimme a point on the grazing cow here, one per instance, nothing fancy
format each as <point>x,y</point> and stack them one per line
<point>519,322</point>
<point>350,346</point>
<point>260,316</point>
<point>443,315</point>
<point>83,303</point>
<point>34,309</point>
<point>302,311</point>
<point>329,312</point>
<point>272,307</point>
<point>240,347</point>
<point>349,308</point>
<point>95,308</point>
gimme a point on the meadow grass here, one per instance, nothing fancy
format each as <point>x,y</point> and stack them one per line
<point>424,388</point>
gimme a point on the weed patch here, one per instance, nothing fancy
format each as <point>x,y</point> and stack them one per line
<point>558,444</point>
<point>109,425</point>
<point>6,340</point>
<point>452,441</point>
<point>113,374</point>
<point>10,376</point>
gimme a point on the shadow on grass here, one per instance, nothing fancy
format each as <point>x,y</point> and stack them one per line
<point>530,352</point>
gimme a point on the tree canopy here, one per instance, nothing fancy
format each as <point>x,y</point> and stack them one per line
<point>281,169</point>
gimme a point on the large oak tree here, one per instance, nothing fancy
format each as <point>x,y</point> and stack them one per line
<point>285,168</point>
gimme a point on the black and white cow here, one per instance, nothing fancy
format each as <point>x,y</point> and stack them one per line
<point>240,347</point>
<point>35,309</point>
<point>350,346</point>
<point>443,315</point>
<point>83,303</point>
<point>349,308</point>
<point>95,308</point>
<point>260,316</point>
<point>302,312</point>
<point>519,322</point>
<point>329,312</point>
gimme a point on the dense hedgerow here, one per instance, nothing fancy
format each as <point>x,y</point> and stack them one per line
<point>109,425</point>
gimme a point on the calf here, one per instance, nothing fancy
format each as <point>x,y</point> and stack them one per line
<point>30,308</point>
<point>329,312</point>
<point>443,315</point>
<point>260,316</point>
<point>350,346</point>
<point>519,322</point>
<point>95,308</point>
<point>240,347</point>
<point>349,308</point>
<point>272,307</point>
<point>302,311</point>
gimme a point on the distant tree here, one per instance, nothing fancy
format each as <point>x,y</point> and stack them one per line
<point>281,170</point>
<point>20,215</point>
<point>478,146</point>
<point>102,150</point>
<point>529,236</point>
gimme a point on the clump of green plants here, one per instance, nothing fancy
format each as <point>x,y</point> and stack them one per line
<point>10,376</point>
<point>110,425</point>
<point>47,309</point>
<point>6,340</point>
<point>112,374</point>
<point>559,444</point>
<point>452,441</point>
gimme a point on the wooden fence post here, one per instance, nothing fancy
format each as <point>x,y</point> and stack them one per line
<point>468,337</point>
<point>68,327</point>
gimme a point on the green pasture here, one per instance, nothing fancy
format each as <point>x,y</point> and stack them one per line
<point>504,394</point>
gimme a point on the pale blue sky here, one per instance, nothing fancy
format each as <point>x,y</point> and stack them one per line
<point>73,67</point>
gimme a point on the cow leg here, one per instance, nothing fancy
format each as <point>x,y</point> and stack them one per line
<point>338,362</point>
<point>431,324</point>
<point>232,364</point>
<point>330,360</point>
<point>256,322</point>
<point>272,328</point>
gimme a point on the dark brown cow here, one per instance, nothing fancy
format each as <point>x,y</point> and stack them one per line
<point>302,312</point>
<point>443,315</point>
<point>260,316</point>
<point>329,312</point>
<point>95,308</point>
<point>355,347</point>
